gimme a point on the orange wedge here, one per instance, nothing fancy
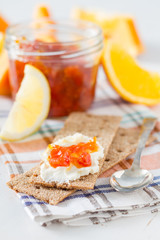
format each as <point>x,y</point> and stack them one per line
<point>3,24</point>
<point>118,27</point>
<point>4,66</point>
<point>42,13</point>
<point>133,83</point>
<point>30,107</point>
<point>4,75</point>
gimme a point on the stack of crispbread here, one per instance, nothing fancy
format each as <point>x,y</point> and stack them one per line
<point>117,142</point>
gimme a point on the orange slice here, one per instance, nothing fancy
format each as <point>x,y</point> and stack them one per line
<point>3,24</point>
<point>30,108</point>
<point>41,11</point>
<point>2,36</point>
<point>42,14</point>
<point>4,75</point>
<point>118,27</point>
<point>133,83</point>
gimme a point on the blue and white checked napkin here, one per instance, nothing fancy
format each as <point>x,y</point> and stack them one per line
<point>96,206</point>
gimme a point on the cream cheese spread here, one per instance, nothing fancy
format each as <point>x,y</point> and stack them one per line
<point>65,174</point>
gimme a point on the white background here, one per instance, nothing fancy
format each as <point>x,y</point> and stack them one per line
<point>14,222</point>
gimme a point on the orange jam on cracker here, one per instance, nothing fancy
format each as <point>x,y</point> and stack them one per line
<point>77,155</point>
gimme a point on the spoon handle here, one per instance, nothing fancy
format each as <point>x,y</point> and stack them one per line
<point>147,127</point>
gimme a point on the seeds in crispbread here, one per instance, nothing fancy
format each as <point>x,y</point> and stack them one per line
<point>103,127</point>
<point>52,195</point>
<point>124,144</point>
<point>49,195</point>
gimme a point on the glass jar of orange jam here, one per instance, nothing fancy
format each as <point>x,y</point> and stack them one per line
<point>68,54</point>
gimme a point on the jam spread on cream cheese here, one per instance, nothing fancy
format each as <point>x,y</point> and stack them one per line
<point>71,157</point>
<point>77,155</point>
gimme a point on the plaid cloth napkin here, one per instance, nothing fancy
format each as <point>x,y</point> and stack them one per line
<point>90,207</point>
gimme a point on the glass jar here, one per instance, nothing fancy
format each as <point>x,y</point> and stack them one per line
<point>68,53</point>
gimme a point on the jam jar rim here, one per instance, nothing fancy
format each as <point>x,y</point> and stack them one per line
<point>90,44</point>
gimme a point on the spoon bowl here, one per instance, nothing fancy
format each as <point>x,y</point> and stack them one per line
<point>135,177</point>
<point>130,180</point>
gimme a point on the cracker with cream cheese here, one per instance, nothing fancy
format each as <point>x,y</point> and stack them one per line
<point>125,138</point>
<point>103,127</point>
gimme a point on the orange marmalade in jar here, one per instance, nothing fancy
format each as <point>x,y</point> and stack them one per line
<point>68,54</point>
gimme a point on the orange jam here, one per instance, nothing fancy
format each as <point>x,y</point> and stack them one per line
<point>77,155</point>
<point>72,81</point>
<point>68,54</point>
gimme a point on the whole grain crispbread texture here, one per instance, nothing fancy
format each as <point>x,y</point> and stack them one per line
<point>103,127</point>
<point>53,195</point>
<point>124,144</point>
<point>49,195</point>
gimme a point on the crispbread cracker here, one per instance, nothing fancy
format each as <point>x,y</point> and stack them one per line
<point>103,127</point>
<point>52,195</point>
<point>124,144</point>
